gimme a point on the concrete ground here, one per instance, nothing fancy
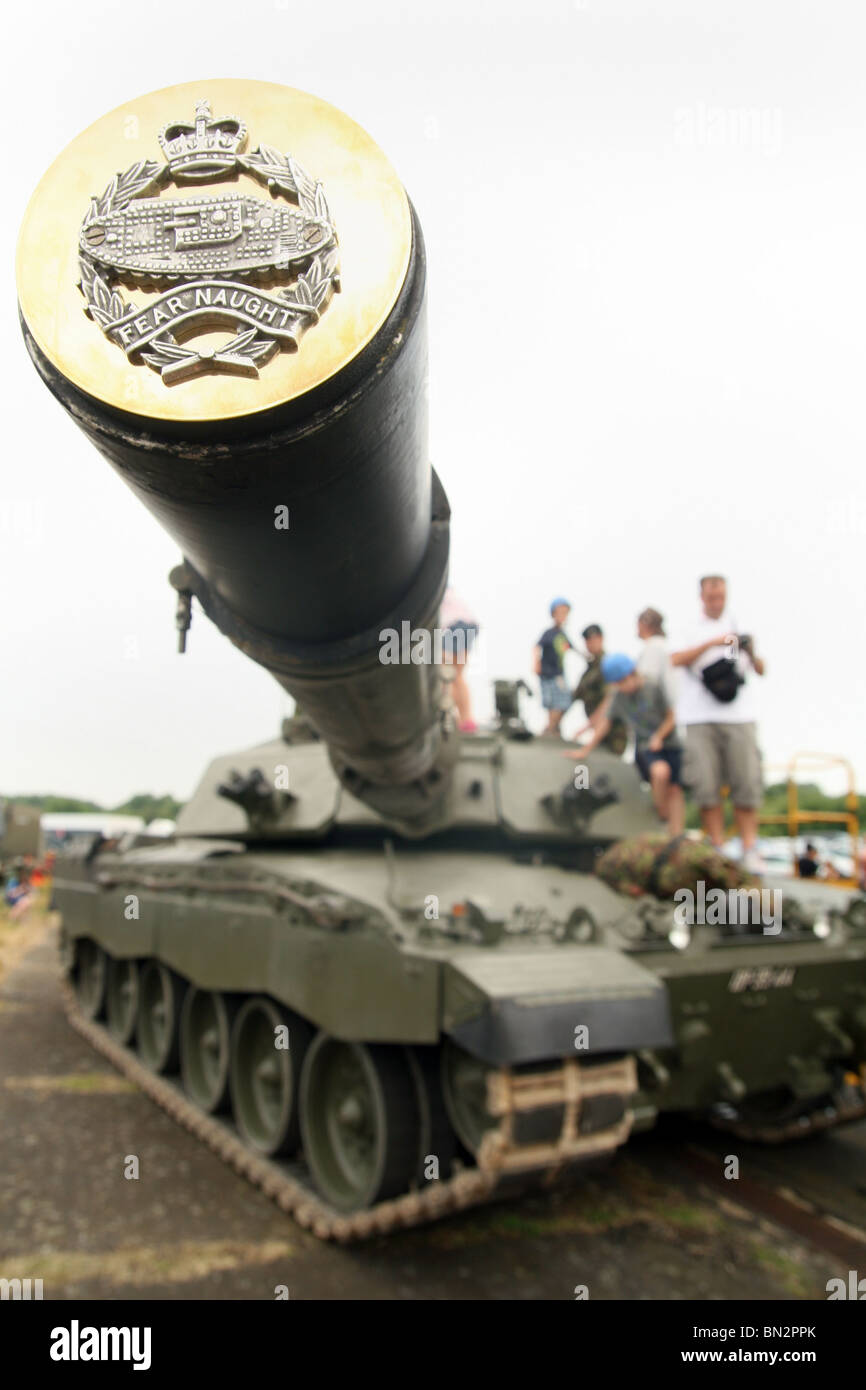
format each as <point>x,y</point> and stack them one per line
<point>189,1227</point>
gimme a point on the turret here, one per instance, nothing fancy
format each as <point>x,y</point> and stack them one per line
<point>229,300</point>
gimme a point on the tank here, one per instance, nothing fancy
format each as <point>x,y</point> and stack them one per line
<point>375,967</point>
<point>221,234</point>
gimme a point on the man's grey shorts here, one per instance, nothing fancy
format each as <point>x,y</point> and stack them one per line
<point>720,755</point>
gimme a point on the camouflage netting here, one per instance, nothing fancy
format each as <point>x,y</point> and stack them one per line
<point>654,864</point>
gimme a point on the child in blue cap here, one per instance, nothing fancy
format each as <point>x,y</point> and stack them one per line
<point>643,704</point>
<point>549,665</point>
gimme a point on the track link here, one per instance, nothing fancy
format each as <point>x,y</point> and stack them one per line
<point>500,1159</point>
<point>846,1104</point>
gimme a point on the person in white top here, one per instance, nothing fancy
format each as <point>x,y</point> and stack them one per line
<point>459,628</point>
<point>717,707</point>
<point>654,662</point>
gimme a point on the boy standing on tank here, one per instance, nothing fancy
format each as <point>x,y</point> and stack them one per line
<point>593,692</point>
<point>549,665</point>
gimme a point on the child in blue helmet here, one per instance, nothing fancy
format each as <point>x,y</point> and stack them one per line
<point>644,705</point>
<point>549,665</point>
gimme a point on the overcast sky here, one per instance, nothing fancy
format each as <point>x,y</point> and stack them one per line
<point>671,382</point>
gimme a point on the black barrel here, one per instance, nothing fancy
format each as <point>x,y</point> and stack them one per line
<point>349,460</point>
<point>308,530</point>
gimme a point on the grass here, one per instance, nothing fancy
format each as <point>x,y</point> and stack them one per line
<point>784,1267</point>
<point>96,1083</point>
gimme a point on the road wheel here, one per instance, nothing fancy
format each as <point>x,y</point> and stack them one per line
<point>360,1121</point>
<point>205,1047</point>
<point>90,975</point>
<point>121,999</point>
<point>264,1074</point>
<point>160,996</point>
<point>437,1137</point>
<point>464,1088</point>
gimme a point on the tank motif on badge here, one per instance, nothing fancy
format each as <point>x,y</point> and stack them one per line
<point>267,270</point>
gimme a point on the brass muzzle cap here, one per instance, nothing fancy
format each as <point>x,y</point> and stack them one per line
<point>212,250</point>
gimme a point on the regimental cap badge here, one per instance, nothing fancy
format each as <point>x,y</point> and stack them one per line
<point>264,268</point>
<point>206,149</point>
<point>213,251</point>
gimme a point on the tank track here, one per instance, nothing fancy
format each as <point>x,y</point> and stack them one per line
<point>846,1104</point>
<point>504,1165</point>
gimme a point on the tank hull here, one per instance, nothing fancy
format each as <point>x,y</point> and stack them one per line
<point>315,930</point>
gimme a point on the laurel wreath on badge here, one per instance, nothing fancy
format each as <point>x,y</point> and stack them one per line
<point>300,304</point>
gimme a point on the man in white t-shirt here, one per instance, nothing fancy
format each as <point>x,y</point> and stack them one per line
<point>718,714</point>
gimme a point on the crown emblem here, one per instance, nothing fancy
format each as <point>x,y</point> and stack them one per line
<point>205,149</point>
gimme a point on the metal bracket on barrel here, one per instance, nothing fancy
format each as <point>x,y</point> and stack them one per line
<point>180,579</point>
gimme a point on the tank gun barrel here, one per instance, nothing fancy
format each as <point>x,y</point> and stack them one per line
<point>289,457</point>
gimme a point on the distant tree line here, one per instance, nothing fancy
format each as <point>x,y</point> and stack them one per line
<point>145,805</point>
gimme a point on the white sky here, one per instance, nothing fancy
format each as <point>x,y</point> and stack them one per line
<point>670,382</point>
